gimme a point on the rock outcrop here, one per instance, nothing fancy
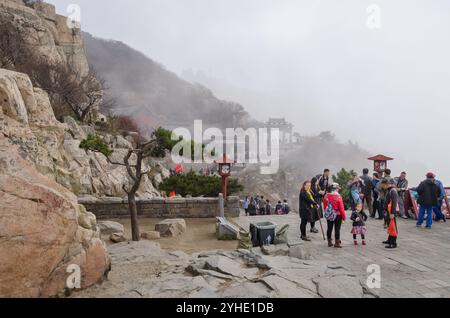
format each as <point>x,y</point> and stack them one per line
<point>27,119</point>
<point>43,230</point>
<point>48,33</point>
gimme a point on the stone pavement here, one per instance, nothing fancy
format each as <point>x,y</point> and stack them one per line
<point>420,267</point>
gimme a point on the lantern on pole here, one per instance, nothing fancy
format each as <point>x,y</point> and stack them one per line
<point>380,163</point>
<point>224,171</point>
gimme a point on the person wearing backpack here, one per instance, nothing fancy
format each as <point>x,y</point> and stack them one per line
<point>279,208</point>
<point>308,206</point>
<point>252,207</point>
<point>334,214</point>
<point>368,190</point>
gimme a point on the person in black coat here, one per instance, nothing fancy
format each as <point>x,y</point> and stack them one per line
<point>252,207</point>
<point>317,213</point>
<point>429,193</point>
<point>307,206</point>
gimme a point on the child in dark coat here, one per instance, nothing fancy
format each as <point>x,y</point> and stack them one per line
<point>359,217</point>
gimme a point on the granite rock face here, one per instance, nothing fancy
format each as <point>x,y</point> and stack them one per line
<point>27,119</point>
<point>48,33</point>
<point>43,229</point>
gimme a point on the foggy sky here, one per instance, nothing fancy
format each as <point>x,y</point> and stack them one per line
<point>314,62</point>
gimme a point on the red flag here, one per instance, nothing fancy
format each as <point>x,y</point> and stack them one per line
<point>179,169</point>
<point>392,229</point>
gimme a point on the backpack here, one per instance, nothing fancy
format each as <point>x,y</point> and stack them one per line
<point>279,210</point>
<point>330,213</point>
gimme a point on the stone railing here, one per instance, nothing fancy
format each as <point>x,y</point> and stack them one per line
<point>116,208</point>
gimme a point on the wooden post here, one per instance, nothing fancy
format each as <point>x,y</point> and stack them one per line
<point>224,187</point>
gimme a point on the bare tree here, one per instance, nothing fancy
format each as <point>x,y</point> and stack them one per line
<point>133,162</point>
<point>86,97</point>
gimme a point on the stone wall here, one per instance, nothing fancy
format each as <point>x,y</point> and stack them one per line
<point>116,208</point>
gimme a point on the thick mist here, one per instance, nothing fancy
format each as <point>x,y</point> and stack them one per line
<point>313,62</point>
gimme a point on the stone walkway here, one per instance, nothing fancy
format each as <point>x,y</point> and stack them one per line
<point>420,267</point>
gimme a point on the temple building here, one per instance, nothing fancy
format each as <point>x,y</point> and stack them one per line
<point>286,129</point>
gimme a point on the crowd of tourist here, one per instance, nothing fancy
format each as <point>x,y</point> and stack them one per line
<point>257,205</point>
<point>383,196</point>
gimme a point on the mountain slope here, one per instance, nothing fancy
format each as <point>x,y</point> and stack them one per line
<point>154,96</point>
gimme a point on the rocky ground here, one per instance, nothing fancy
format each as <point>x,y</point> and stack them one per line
<point>143,269</point>
<point>419,268</point>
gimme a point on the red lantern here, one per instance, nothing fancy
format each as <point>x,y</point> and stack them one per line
<point>380,163</point>
<point>224,171</point>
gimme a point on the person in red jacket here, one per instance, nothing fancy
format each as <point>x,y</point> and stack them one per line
<point>335,199</point>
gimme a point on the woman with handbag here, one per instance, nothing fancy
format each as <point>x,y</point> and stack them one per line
<point>308,207</point>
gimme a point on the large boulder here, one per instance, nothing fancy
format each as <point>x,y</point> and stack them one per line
<point>171,227</point>
<point>151,235</point>
<point>110,227</point>
<point>117,238</point>
<point>43,229</point>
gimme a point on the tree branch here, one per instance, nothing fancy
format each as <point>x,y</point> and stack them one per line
<point>128,166</point>
<point>124,188</point>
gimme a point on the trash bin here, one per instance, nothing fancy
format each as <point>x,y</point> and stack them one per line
<point>263,233</point>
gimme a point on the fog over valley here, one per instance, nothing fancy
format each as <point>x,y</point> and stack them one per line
<point>316,63</point>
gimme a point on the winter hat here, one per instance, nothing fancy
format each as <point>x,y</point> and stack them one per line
<point>334,186</point>
<point>430,175</point>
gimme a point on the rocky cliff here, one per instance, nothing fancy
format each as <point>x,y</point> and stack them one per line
<point>28,120</point>
<point>43,230</point>
<point>47,32</point>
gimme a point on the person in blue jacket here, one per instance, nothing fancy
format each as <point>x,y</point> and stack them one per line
<point>438,209</point>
